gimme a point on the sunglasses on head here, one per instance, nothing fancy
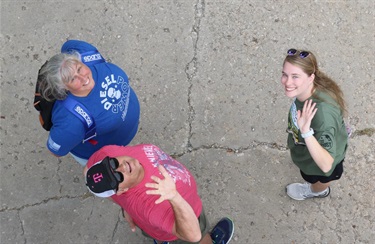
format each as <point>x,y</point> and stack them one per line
<point>302,54</point>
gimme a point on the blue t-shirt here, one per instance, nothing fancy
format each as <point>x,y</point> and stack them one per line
<point>112,103</point>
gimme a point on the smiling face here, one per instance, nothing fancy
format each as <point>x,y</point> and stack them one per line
<point>81,82</point>
<point>296,83</point>
<point>132,171</point>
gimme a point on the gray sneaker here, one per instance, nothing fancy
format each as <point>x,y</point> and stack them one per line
<point>299,191</point>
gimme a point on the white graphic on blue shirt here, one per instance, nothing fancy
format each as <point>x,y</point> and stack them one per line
<point>92,57</point>
<point>115,95</point>
<point>83,113</point>
<point>173,167</point>
<point>53,145</point>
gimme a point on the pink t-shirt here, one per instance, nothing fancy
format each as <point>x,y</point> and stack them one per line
<point>155,219</point>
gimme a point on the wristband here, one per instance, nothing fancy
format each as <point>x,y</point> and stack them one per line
<point>308,134</point>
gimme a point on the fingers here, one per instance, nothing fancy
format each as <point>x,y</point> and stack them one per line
<point>308,109</point>
<point>153,192</point>
<point>132,225</point>
<point>309,106</point>
<point>306,105</point>
<point>161,199</point>
<point>152,185</point>
<point>156,192</point>
<point>164,187</point>
<point>129,220</point>
<point>155,186</point>
<point>305,116</point>
<point>162,170</point>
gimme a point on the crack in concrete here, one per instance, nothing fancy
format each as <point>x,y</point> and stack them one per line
<point>366,131</point>
<point>191,149</point>
<point>22,227</point>
<point>55,198</point>
<point>232,150</point>
<point>57,173</point>
<point>115,228</point>
<point>192,66</point>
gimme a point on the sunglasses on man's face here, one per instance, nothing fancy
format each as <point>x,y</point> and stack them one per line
<point>113,163</point>
<point>302,54</point>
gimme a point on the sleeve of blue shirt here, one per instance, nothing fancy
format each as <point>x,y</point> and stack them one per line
<point>66,133</point>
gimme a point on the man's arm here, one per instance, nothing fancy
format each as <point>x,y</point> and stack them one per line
<point>186,226</point>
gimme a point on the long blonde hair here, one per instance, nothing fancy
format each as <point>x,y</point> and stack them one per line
<point>322,82</point>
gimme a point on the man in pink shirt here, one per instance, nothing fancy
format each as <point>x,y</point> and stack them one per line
<point>157,193</point>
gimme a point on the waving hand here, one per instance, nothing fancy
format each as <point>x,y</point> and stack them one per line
<point>304,118</point>
<point>166,187</point>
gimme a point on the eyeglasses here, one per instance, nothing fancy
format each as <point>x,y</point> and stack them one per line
<point>113,163</point>
<point>302,54</point>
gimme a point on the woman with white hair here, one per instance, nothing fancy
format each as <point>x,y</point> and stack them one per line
<point>82,74</point>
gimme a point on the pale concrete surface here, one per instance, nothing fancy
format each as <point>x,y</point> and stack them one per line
<point>207,74</point>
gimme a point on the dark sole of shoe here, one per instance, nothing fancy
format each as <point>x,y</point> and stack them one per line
<point>329,192</point>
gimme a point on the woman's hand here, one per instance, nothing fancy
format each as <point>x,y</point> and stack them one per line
<point>304,118</point>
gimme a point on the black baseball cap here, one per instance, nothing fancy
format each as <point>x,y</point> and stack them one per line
<point>102,179</point>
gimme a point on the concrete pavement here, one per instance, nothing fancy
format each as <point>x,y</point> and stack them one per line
<point>207,74</point>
